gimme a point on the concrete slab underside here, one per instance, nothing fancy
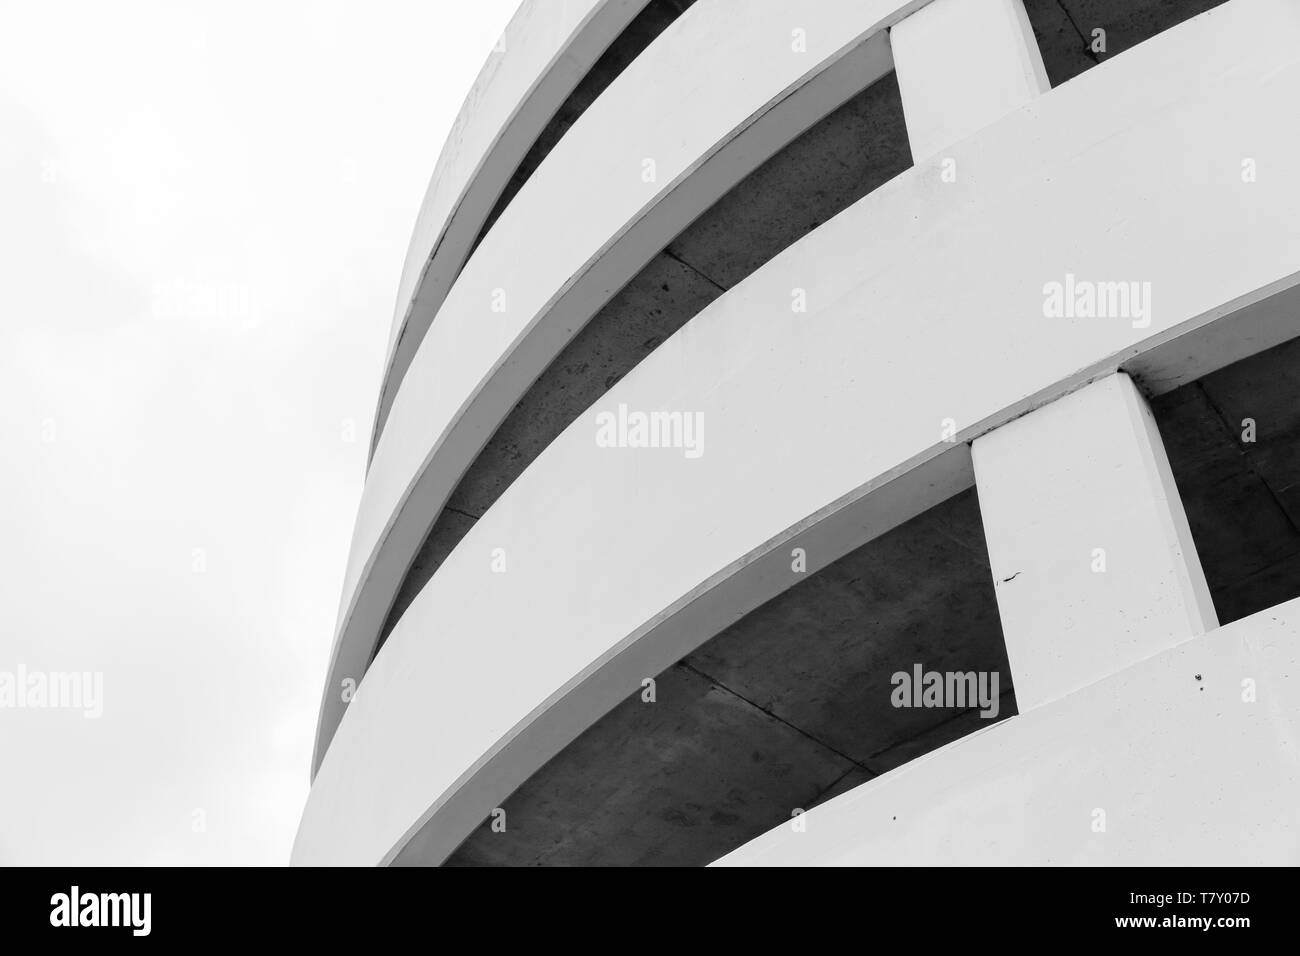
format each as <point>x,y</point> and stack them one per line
<point>1064,28</point>
<point>784,709</point>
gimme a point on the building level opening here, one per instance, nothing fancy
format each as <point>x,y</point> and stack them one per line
<point>822,688</point>
<point>1233,440</point>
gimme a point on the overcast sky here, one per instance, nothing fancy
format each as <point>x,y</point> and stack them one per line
<point>204,209</point>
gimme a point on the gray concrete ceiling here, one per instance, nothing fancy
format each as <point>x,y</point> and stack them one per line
<point>1064,28</point>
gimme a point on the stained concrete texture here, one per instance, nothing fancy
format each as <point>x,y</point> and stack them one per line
<point>699,768</point>
<point>824,171</point>
<point>932,738</point>
<point>821,655</point>
<point>785,709</point>
<point>854,778</point>
<point>832,165</point>
<point>1064,29</point>
<point>1242,497</point>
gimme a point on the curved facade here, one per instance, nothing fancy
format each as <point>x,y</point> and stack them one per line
<point>939,415</point>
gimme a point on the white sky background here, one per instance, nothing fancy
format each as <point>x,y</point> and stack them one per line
<point>204,209</point>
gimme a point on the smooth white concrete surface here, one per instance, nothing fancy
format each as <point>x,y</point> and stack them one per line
<point>544,52</point>
<point>925,304</point>
<point>962,64</point>
<point>722,89</point>
<point>1093,562</point>
<point>1143,768</point>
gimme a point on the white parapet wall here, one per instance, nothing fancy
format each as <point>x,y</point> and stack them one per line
<point>934,315</point>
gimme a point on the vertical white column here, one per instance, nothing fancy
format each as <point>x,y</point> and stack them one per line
<point>1093,562</point>
<point>963,64</point>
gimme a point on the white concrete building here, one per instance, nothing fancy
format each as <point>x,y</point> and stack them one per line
<point>839,431</point>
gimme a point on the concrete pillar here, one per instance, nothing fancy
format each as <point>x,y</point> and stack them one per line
<point>962,64</point>
<point>1092,559</point>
